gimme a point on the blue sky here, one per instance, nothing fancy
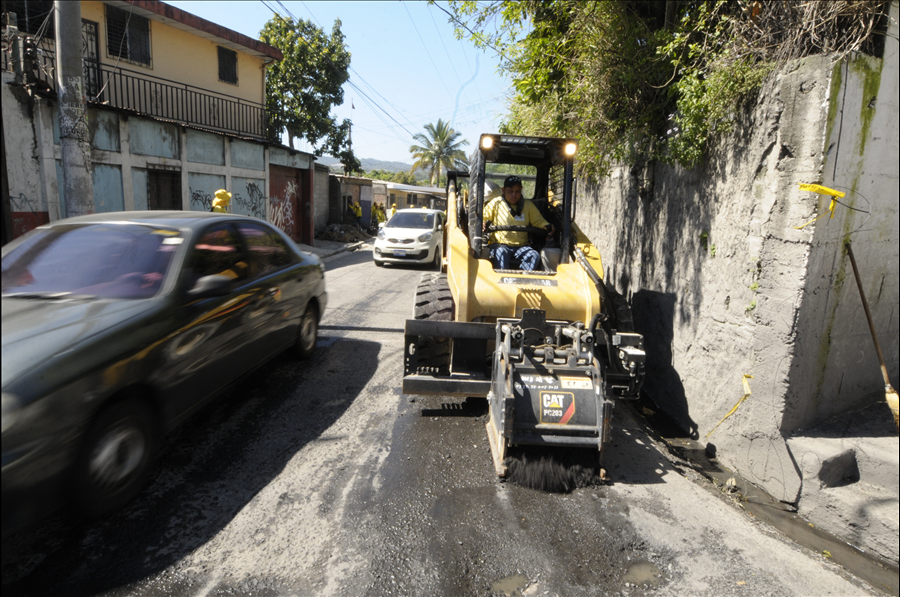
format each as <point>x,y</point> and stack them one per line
<point>405,59</point>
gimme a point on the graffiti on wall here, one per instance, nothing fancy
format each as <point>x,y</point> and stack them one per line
<point>200,201</point>
<point>254,204</point>
<point>26,214</point>
<point>283,207</point>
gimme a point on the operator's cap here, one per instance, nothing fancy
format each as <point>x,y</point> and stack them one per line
<point>512,181</point>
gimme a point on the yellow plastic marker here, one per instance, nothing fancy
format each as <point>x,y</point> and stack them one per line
<point>735,407</point>
<point>815,188</point>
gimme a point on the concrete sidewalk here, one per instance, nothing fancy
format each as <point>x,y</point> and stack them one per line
<point>327,248</point>
<point>851,485</point>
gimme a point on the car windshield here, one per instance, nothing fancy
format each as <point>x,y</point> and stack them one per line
<point>410,219</point>
<point>100,260</point>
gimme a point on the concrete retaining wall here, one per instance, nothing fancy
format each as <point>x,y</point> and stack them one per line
<point>723,285</point>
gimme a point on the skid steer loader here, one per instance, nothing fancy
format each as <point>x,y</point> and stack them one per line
<point>550,349</point>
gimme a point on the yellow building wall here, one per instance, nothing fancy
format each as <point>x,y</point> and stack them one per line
<point>183,57</point>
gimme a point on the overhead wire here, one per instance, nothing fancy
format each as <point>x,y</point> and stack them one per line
<point>427,53</point>
<point>449,59</point>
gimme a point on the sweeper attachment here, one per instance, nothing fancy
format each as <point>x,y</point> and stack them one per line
<point>546,388</point>
<point>550,347</point>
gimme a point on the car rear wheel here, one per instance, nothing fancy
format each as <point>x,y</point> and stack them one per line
<point>114,462</point>
<point>308,333</point>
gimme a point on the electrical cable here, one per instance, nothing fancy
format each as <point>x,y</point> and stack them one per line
<point>427,53</point>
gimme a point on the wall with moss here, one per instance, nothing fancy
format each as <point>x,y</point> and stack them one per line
<point>835,365</point>
<point>726,282</point>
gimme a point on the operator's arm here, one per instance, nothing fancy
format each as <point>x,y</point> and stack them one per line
<point>534,218</point>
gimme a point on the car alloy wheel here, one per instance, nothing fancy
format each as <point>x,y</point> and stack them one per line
<point>308,333</point>
<point>115,459</point>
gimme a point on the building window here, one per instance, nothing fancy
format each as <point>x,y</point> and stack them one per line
<point>411,199</point>
<point>127,35</point>
<point>228,65</point>
<point>31,14</point>
<point>164,189</point>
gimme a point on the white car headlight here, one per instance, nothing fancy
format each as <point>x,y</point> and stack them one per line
<point>425,237</point>
<point>380,234</point>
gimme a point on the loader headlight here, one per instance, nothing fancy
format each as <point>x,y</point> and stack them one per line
<point>487,142</point>
<point>570,149</point>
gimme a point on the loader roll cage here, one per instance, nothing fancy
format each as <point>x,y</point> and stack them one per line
<point>554,188</point>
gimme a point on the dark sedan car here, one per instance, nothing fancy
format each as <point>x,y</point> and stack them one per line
<point>116,327</point>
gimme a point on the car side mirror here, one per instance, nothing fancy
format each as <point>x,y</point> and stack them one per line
<point>209,286</point>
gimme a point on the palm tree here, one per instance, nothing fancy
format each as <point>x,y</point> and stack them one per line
<point>439,146</point>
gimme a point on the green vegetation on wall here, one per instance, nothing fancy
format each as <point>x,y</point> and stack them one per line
<point>635,78</point>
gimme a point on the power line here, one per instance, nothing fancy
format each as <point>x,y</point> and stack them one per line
<point>449,59</point>
<point>355,86</point>
<point>427,53</point>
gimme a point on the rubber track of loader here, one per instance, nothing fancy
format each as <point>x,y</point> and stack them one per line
<point>434,302</point>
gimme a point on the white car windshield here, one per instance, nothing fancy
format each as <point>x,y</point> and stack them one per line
<point>100,260</point>
<point>412,220</point>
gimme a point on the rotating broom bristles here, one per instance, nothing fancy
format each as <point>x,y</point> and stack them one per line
<point>553,471</point>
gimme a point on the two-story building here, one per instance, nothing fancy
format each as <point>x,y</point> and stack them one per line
<point>175,109</point>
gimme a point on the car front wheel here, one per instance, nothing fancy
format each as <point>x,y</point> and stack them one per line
<point>308,333</point>
<point>115,459</point>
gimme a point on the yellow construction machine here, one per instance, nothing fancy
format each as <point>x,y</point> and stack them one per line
<point>549,349</point>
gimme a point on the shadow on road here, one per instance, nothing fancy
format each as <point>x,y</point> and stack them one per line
<point>209,470</point>
<point>361,255</point>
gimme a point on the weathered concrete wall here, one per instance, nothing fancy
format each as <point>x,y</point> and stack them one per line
<point>203,187</point>
<point>835,366</point>
<point>205,148</point>
<point>124,148</point>
<point>249,197</point>
<point>28,206</point>
<point>723,285</point>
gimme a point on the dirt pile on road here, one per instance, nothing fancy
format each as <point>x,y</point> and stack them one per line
<point>341,233</point>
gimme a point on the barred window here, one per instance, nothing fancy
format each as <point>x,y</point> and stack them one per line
<point>31,14</point>
<point>164,189</point>
<point>228,65</point>
<point>127,35</point>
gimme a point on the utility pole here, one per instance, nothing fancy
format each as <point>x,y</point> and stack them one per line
<point>74,138</point>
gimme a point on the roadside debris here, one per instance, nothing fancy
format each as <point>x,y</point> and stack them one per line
<point>341,233</point>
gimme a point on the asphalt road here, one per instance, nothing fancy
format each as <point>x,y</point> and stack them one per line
<point>320,478</point>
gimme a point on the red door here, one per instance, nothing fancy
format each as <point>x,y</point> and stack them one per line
<point>285,190</point>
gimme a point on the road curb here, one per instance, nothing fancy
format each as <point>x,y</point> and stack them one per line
<point>345,248</point>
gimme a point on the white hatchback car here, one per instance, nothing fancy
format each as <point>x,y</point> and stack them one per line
<point>411,236</point>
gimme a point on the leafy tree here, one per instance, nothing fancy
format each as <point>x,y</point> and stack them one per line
<point>438,147</point>
<point>302,88</point>
<point>630,77</point>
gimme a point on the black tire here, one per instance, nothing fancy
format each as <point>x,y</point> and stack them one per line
<point>308,333</point>
<point>436,262</point>
<point>115,458</point>
<point>434,302</point>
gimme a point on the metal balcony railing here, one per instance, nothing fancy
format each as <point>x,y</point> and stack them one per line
<point>154,96</point>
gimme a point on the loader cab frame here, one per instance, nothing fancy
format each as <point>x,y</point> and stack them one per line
<point>549,166</point>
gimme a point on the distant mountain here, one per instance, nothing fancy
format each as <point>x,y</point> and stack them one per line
<point>369,164</point>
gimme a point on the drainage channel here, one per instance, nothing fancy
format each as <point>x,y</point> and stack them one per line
<point>880,573</point>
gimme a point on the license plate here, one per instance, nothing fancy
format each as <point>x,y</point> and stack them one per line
<point>399,252</point>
